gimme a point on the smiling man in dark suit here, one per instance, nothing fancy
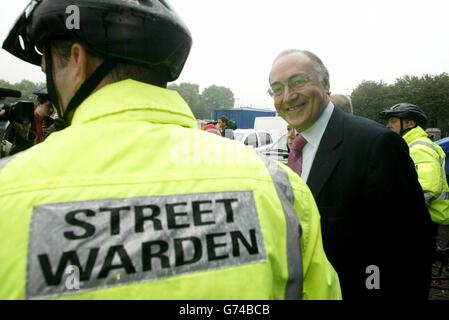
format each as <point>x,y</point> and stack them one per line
<point>376,228</point>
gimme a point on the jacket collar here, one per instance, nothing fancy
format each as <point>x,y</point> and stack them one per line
<point>142,102</point>
<point>415,133</point>
<point>328,154</point>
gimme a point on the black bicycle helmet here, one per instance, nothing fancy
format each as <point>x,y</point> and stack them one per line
<point>406,111</point>
<point>41,92</point>
<point>142,32</point>
<point>146,32</point>
<point>42,95</point>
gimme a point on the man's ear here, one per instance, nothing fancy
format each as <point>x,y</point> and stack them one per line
<point>326,85</point>
<point>410,124</point>
<point>79,64</point>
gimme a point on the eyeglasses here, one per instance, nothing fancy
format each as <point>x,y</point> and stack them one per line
<point>294,83</point>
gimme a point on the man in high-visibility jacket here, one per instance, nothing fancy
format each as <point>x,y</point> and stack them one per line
<point>409,121</point>
<point>131,200</point>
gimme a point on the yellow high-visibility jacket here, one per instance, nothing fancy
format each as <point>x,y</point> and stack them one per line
<point>132,201</point>
<point>429,161</point>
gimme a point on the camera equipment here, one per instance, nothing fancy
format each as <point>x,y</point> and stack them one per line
<point>20,111</point>
<point>9,93</point>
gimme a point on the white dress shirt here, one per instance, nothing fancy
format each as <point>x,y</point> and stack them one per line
<point>313,137</point>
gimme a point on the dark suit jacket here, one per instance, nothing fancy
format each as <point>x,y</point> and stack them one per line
<point>372,209</point>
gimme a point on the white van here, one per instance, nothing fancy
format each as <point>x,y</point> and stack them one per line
<point>253,138</point>
<point>276,126</point>
<point>277,150</point>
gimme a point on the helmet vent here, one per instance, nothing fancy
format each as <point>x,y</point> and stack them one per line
<point>37,51</point>
<point>21,42</point>
<point>165,4</point>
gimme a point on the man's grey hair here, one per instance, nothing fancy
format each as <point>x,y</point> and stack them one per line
<point>343,102</point>
<point>320,68</point>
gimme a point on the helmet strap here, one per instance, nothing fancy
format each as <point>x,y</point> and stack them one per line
<point>404,131</point>
<point>88,87</point>
<point>51,88</point>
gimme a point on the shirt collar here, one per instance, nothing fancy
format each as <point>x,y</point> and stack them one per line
<point>314,133</point>
<point>142,102</point>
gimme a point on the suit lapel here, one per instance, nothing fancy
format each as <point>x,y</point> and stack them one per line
<point>328,153</point>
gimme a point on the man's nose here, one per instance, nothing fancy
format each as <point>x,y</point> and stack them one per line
<point>289,94</point>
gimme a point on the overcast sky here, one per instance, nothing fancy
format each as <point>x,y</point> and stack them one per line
<point>235,41</point>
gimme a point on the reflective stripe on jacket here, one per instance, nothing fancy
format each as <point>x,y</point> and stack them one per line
<point>132,201</point>
<point>429,161</point>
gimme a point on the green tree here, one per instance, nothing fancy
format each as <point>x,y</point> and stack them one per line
<point>431,93</point>
<point>369,98</point>
<point>202,105</point>
<point>25,86</point>
<point>190,92</point>
<point>218,97</point>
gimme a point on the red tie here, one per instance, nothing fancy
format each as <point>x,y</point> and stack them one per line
<point>295,156</point>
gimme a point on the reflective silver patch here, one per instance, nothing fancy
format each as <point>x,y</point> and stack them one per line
<point>443,196</point>
<point>121,241</point>
<point>294,285</point>
<point>442,169</point>
<point>426,144</point>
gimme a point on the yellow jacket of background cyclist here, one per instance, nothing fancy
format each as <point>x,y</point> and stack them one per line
<point>133,202</point>
<point>429,163</point>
